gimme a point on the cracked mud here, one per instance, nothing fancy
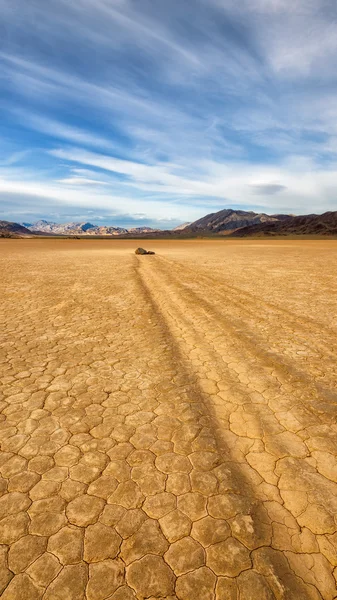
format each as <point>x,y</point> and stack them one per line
<point>168,423</point>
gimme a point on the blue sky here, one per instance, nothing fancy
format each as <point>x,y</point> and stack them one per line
<point>134,112</point>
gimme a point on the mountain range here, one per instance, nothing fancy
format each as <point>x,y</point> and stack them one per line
<point>229,222</point>
<point>223,222</point>
<point>82,229</point>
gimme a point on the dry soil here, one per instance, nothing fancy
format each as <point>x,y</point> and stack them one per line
<point>168,422</point>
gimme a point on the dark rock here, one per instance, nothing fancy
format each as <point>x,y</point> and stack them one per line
<point>142,251</point>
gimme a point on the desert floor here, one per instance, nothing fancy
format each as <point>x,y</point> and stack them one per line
<point>168,422</point>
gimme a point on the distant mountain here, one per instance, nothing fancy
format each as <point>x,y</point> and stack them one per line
<point>105,230</point>
<point>229,220</point>
<point>40,225</point>
<point>75,228</point>
<point>325,224</point>
<point>181,227</point>
<point>142,230</point>
<point>8,229</point>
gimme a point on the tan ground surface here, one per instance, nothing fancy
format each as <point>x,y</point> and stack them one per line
<point>168,423</point>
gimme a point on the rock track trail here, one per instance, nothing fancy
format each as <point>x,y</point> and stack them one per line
<point>167,430</point>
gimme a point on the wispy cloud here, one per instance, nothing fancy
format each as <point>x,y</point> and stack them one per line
<point>14,158</point>
<point>56,129</point>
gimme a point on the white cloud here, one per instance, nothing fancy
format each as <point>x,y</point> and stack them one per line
<point>80,181</point>
<point>66,195</point>
<point>294,186</point>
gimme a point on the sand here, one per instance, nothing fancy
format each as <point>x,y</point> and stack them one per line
<point>168,422</point>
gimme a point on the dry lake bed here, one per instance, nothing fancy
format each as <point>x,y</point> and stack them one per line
<point>168,423</point>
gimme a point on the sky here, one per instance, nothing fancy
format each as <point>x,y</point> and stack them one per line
<point>157,112</point>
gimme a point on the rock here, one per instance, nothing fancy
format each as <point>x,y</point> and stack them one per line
<point>142,251</point>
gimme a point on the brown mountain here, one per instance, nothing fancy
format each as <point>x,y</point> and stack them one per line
<point>8,229</point>
<point>229,220</point>
<point>325,224</point>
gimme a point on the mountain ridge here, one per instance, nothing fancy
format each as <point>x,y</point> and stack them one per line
<point>325,224</point>
<point>10,229</point>
<point>228,220</point>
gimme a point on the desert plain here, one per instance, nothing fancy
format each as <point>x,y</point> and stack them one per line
<point>168,422</point>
